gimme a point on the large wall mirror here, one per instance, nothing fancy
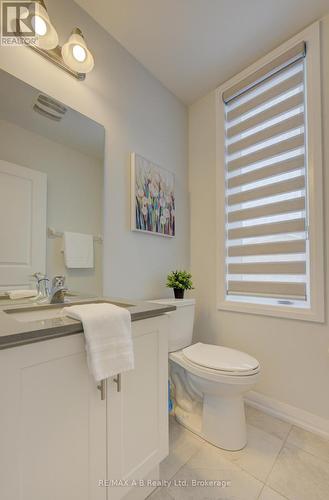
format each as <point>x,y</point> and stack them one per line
<point>51,191</point>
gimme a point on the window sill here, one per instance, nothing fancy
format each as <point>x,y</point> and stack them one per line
<point>303,314</point>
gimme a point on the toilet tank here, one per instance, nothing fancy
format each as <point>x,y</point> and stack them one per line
<point>180,322</point>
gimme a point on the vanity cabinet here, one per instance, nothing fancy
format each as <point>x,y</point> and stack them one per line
<point>52,423</point>
<point>59,440</point>
<point>138,414</point>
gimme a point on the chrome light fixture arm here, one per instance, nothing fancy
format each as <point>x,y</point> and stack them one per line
<point>55,56</point>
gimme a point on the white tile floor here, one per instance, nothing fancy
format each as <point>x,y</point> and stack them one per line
<point>280,462</point>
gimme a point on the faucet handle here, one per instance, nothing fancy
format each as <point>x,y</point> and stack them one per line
<point>38,276</point>
<point>58,281</point>
<point>42,284</point>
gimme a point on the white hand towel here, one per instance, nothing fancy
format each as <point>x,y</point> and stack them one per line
<point>21,294</point>
<point>78,250</point>
<point>107,330</point>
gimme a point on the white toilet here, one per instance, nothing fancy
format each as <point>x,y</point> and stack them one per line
<point>209,380</point>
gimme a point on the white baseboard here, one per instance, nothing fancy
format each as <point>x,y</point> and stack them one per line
<point>291,414</point>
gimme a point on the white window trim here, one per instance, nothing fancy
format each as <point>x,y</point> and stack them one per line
<point>311,36</point>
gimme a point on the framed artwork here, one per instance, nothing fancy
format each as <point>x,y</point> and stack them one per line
<point>152,198</point>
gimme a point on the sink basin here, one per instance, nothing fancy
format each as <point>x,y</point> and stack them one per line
<point>36,314</point>
<point>44,312</point>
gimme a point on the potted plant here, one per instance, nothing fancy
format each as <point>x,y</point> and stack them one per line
<point>179,281</point>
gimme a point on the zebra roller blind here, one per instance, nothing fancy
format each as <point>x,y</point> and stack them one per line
<point>266,184</point>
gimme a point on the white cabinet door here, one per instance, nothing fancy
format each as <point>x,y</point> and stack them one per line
<point>138,415</point>
<point>52,423</point>
<point>23,219</point>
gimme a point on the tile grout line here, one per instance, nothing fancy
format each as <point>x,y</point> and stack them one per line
<point>269,487</point>
<point>261,491</point>
<point>171,477</point>
<point>284,441</point>
<point>264,483</point>
<point>204,442</point>
<point>323,460</point>
<point>296,447</point>
<point>303,449</point>
<point>238,466</point>
<point>183,465</point>
<point>159,488</point>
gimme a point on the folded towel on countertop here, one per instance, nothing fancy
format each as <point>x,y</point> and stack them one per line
<point>78,250</point>
<point>21,294</point>
<point>108,336</point>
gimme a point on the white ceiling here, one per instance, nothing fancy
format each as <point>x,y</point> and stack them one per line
<point>192,46</point>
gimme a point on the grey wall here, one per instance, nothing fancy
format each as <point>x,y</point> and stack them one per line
<point>139,115</point>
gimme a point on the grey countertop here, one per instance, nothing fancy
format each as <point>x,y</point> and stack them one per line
<point>14,333</point>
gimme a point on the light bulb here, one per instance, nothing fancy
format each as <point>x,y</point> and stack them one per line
<point>39,25</point>
<point>79,53</point>
<point>76,54</point>
<point>46,36</point>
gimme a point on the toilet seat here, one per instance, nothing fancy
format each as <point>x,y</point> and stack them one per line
<point>221,360</point>
<point>211,374</point>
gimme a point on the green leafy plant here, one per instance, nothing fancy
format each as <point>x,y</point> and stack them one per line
<point>180,280</point>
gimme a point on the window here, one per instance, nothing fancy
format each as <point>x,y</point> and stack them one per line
<point>266,182</point>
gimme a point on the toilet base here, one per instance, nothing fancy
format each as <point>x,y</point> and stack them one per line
<point>214,410</point>
<point>192,421</point>
<point>224,422</point>
<point>220,421</point>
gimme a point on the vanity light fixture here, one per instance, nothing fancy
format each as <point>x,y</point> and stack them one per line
<point>74,57</point>
<point>76,53</point>
<point>45,32</point>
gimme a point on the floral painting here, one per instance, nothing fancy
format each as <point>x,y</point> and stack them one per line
<point>153,198</point>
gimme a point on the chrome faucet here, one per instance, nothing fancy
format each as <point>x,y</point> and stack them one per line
<point>53,295</point>
<point>58,290</point>
<point>42,286</point>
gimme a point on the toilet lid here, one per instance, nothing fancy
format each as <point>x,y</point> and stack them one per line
<point>220,358</point>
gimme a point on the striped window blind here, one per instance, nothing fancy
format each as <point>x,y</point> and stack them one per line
<point>266,184</point>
